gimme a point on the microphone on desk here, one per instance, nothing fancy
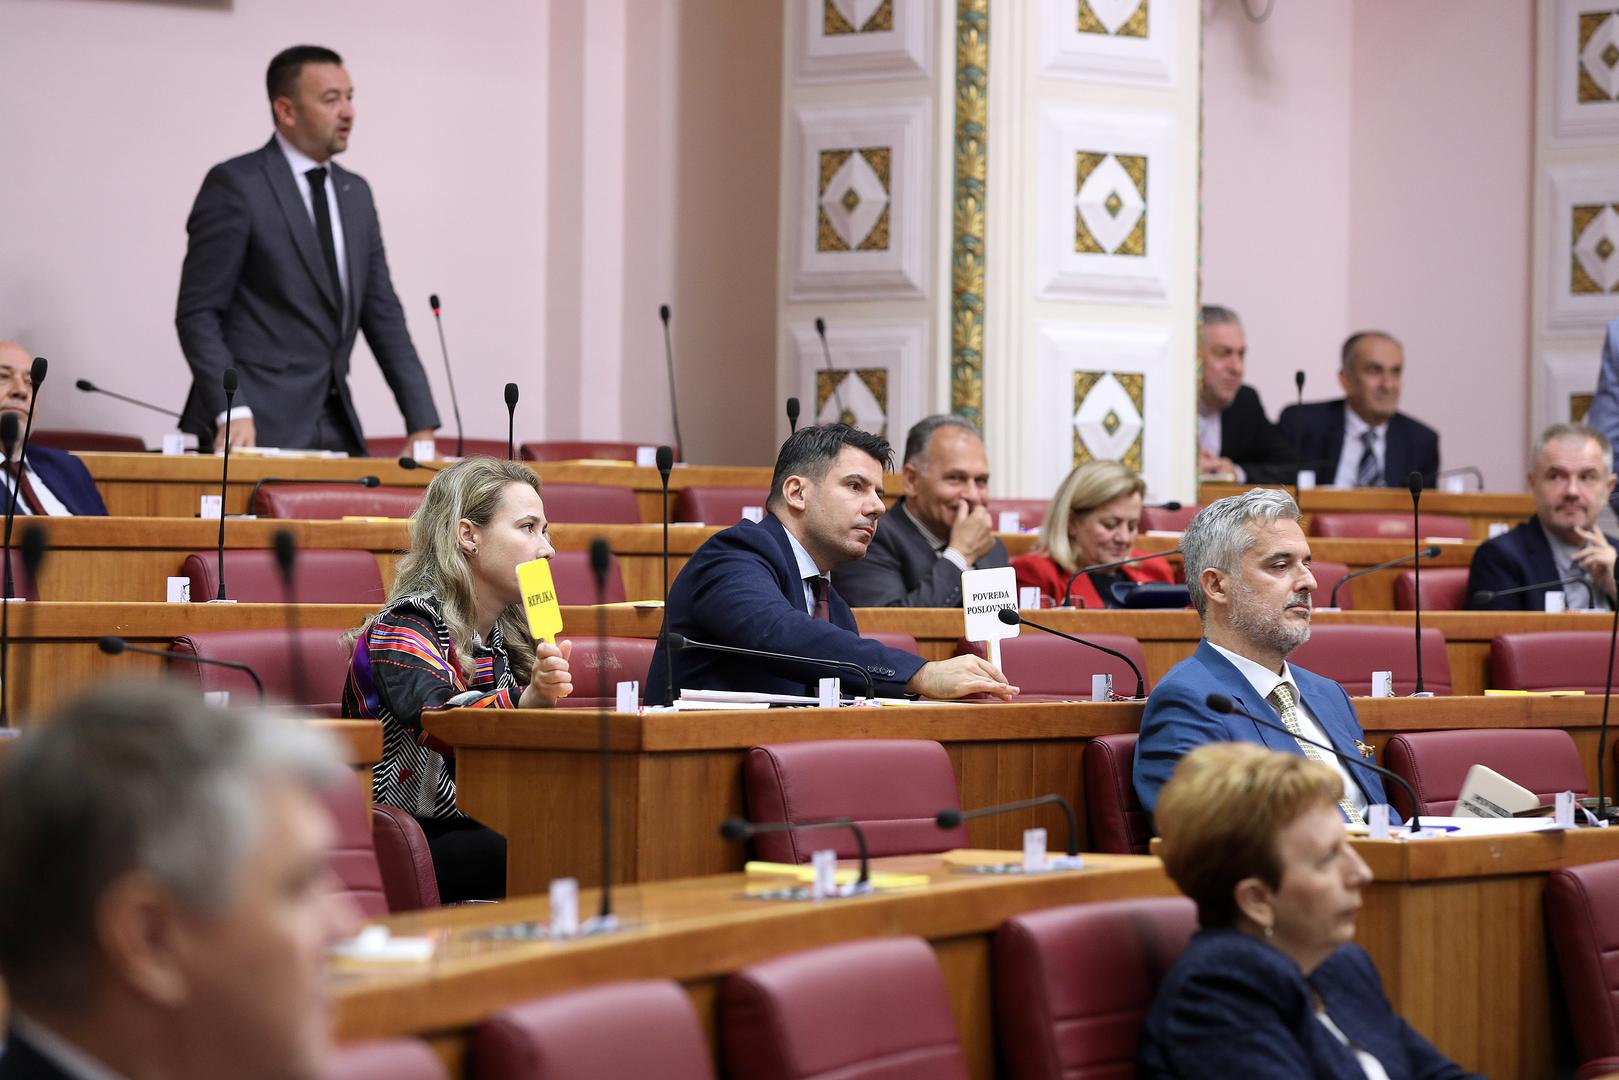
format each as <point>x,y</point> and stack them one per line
<point>1413,483</point>
<point>253,492</point>
<point>10,433</point>
<point>36,376</point>
<point>229,383</point>
<point>1172,504</point>
<point>511,421</point>
<point>1484,596</point>
<point>680,641</point>
<point>792,415</point>
<point>10,430</point>
<point>601,557</point>
<point>34,545</point>
<point>1602,812</point>
<point>1068,587</point>
<point>455,406</point>
<point>113,645</point>
<point>666,462</point>
<point>1011,617</point>
<point>669,362</point>
<point>831,373</point>
<point>735,828</point>
<point>412,463</point>
<point>286,557</point>
<point>1429,552</point>
<point>950,819</point>
<point>89,387</point>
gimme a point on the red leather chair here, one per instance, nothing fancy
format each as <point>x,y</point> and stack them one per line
<point>323,657</point>
<point>596,677</point>
<point>1358,525</point>
<point>404,859</point>
<point>385,1059</point>
<point>353,859</point>
<point>619,1031</point>
<point>1544,760</point>
<point>392,446</point>
<point>1047,668</point>
<point>859,1010</point>
<point>1158,519</point>
<point>590,504</point>
<point>894,788</point>
<point>894,640</point>
<point>21,584</point>
<point>1582,913</point>
<point>715,505</point>
<point>581,450</point>
<point>576,584</point>
<point>1550,660</point>
<point>1030,512</point>
<point>330,502</point>
<point>1073,984</point>
<point>1348,654</point>
<point>318,577</point>
<point>1328,574</point>
<point>94,441</point>
<point>1120,825</point>
<point>1444,588</point>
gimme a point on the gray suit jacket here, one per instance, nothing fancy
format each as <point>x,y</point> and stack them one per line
<point>901,569</point>
<point>255,295</point>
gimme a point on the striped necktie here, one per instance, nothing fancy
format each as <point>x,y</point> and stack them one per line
<point>1282,700</point>
<point>1367,474</point>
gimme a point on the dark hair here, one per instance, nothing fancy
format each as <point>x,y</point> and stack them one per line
<point>810,451</point>
<point>916,442</point>
<point>282,78</point>
<point>1347,354</point>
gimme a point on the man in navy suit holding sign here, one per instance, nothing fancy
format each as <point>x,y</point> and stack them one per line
<point>1248,572</point>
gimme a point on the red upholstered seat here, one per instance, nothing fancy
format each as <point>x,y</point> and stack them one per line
<point>590,504</point>
<point>322,657</point>
<point>1348,654</point>
<point>715,505</point>
<point>96,441</point>
<point>859,1010</point>
<point>1436,762</point>
<point>581,450</point>
<point>318,577</point>
<point>1444,588</point>
<point>392,446</point>
<point>385,1059</point>
<point>894,788</point>
<point>1327,575</point>
<point>21,584</point>
<point>1551,660</point>
<point>404,859</point>
<point>353,859</point>
<point>1120,825</point>
<point>1048,668</point>
<point>619,1031</point>
<point>330,502</point>
<point>894,640</point>
<point>1393,525</point>
<point>596,674</point>
<point>576,584</point>
<point>1582,913</point>
<point>1073,984</point>
<point>1030,512</point>
<point>1158,519</point>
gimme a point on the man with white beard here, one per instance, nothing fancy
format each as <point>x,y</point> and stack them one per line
<point>1248,572</point>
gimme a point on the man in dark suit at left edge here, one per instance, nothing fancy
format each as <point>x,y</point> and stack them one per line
<point>765,585</point>
<point>284,267</point>
<point>1235,439</point>
<point>54,482</point>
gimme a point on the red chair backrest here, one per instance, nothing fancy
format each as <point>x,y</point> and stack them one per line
<point>392,446</point>
<point>893,788</point>
<point>1030,512</point>
<point>1158,519</point>
<point>353,859</point>
<point>1348,654</point>
<point>1444,588</point>
<point>1328,574</point>
<point>859,1010</point>
<point>320,576</point>
<point>329,502</point>
<point>385,1059</point>
<point>322,657</point>
<point>576,584</point>
<point>1073,984</point>
<point>716,505</point>
<point>618,1030</point>
<point>1044,667</point>
<point>581,450</point>
<point>21,584</point>
<point>596,677</point>
<point>1582,913</point>
<point>95,441</point>
<point>1550,660</point>
<point>405,860</point>
<point>590,504</point>
<point>1543,760</point>
<point>1364,525</point>
<point>1120,825</point>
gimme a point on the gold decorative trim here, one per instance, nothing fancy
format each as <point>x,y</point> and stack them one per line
<point>967,226</point>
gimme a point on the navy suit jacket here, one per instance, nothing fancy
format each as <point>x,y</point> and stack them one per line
<point>1177,720</point>
<point>1234,1006</point>
<point>901,569</point>
<point>1317,429</point>
<point>67,479</point>
<point>1249,439</point>
<point>22,1062</point>
<point>1519,557</point>
<point>742,588</point>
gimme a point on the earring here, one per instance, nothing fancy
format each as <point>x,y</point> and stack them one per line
<point>474,552</point>
<point>1270,932</point>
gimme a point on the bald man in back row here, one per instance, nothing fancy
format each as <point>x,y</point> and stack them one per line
<point>55,483</point>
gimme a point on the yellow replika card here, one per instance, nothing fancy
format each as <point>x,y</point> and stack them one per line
<point>540,599</point>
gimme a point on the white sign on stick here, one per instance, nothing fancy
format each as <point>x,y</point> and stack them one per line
<point>983,594</point>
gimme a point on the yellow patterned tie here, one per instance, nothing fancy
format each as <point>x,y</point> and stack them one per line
<point>1284,703</point>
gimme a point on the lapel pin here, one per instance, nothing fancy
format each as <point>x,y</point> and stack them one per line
<point>1366,749</point>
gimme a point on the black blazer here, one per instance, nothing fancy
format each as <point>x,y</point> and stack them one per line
<point>1234,1006</point>
<point>901,569</point>
<point>1522,556</point>
<point>255,295</point>
<point>1317,428</point>
<point>22,1062</point>
<point>742,587</point>
<point>1250,440</point>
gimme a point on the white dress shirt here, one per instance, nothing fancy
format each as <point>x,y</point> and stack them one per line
<point>956,558</point>
<point>1354,447</point>
<point>54,507</point>
<point>806,570</point>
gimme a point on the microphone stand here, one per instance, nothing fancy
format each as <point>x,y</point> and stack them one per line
<point>511,421</point>
<point>36,376</point>
<point>680,641</point>
<point>1430,552</point>
<point>735,828</point>
<point>1011,617</point>
<point>669,362</point>
<point>1414,483</point>
<point>950,819</point>
<point>1068,587</point>
<point>112,645</point>
<point>455,406</point>
<point>224,480</point>
<point>1298,436</point>
<point>600,556</point>
<point>1602,732</point>
<point>286,554</point>
<point>666,462</point>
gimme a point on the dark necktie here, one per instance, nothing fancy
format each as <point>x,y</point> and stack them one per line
<point>323,229</point>
<point>1367,474</point>
<point>823,602</point>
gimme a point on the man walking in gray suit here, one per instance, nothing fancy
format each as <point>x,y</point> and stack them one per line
<point>285,265</point>
<point>940,528</point>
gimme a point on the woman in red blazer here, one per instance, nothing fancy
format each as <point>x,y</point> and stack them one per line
<point>1093,519</point>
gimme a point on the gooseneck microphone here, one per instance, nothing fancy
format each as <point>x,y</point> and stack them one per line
<point>601,557</point>
<point>680,641</point>
<point>286,557</point>
<point>950,819</point>
<point>1429,552</point>
<point>831,373</point>
<point>1602,732</point>
<point>735,828</point>
<point>1222,704</point>
<point>224,482</point>
<point>253,492</point>
<point>1011,617</point>
<point>89,387</point>
<point>113,646</point>
<point>412,463</point>
<point>669,362</point>
<point>36,376</point>
<point>1414,483</point>
<point>792,415</point>
<point>10,434</point>
<point>33,546</point>
<point>511,421</point>
<point>455,406</point>
<point>1068,586</point>
<point>666,462</point>
<point>1298,434</point>
<point>1484,596</point>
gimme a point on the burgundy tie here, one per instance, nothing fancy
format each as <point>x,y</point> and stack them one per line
<point>823,603</point>
<point>30,497</point>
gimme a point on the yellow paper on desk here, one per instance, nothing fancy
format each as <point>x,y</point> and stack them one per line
<point>844,876</point>
<point>1534,693</point>
<point>540,599</point>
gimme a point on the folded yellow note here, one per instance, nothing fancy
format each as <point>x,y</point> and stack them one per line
<point>844,876</point>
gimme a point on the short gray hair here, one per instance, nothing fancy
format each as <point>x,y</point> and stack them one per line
<point>132,777</point>
<point>921,434</point>
<point>1570,432</point>
<point>1215,315</point>
<point>1219,536</point>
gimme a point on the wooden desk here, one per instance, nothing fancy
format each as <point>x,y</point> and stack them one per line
<point>1480,508</point>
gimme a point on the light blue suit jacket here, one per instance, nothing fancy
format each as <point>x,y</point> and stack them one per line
<point>1177,720</point>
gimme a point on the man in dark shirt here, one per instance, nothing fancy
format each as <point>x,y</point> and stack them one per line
<point>1235,440</point>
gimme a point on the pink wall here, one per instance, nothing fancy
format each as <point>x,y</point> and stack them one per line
<point>1370,165</point>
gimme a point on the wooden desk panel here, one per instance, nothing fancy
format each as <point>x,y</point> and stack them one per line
<point>1481,508</point>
